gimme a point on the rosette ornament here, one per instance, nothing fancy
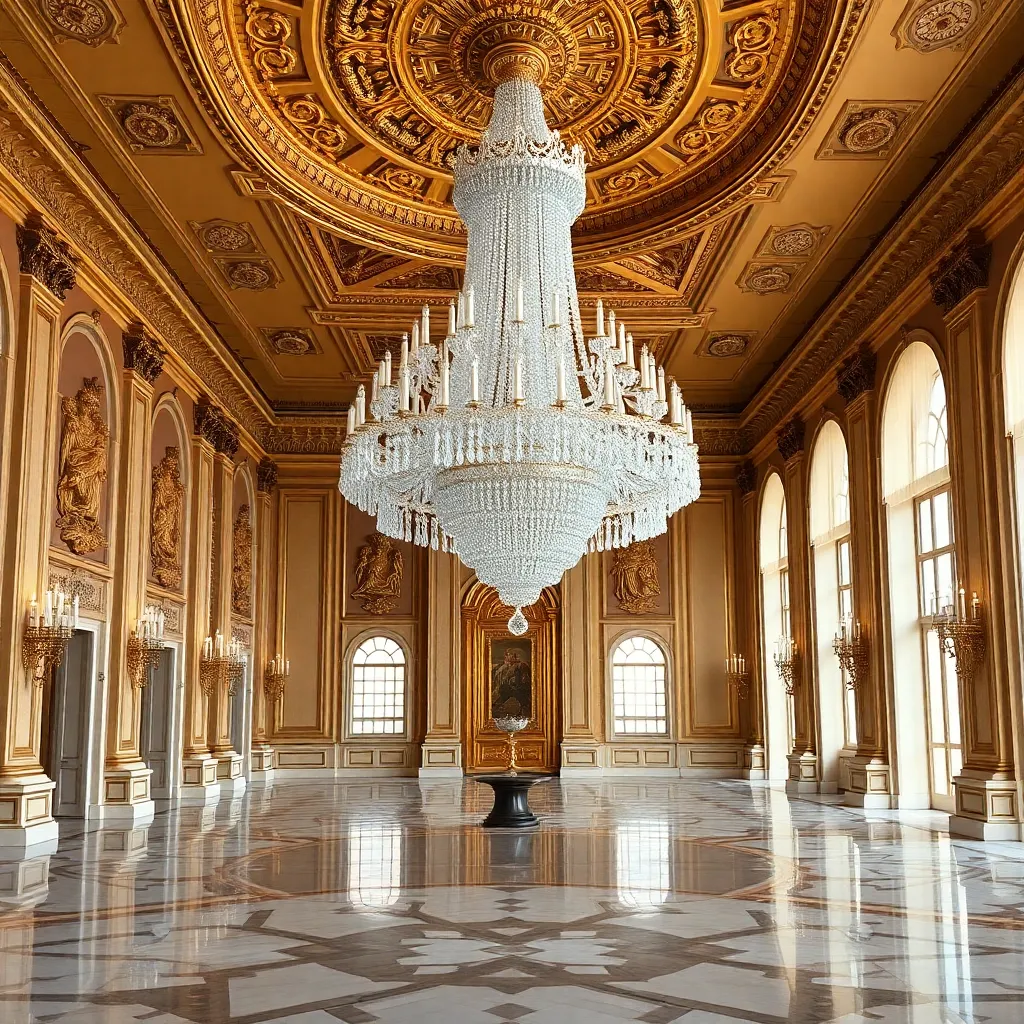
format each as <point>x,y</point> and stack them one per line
<point>518,441</point>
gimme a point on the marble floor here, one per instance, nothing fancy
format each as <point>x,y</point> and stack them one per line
<point>700,902</point>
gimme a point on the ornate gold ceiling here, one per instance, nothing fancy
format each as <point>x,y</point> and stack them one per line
<point>353,108</point>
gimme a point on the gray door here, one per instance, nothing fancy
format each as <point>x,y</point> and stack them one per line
<point>156,724</point>
<point>68,732</point>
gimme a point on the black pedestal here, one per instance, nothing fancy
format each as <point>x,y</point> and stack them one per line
<point>511,800</point>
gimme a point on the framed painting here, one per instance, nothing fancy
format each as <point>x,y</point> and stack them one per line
<point>511,674</point>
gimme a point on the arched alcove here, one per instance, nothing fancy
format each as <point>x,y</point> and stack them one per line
<point>490,653</point>
<point>921,554</point>
<point>832,566</point>
<point>773,556</point>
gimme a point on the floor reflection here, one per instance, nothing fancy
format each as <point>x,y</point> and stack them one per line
<point>384,901</point>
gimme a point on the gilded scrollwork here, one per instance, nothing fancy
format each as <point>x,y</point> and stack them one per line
<point>82,470</point>
<point>752,41</point>
<point>268,32</point>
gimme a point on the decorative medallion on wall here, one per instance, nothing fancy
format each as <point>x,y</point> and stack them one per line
<point>226,236</point>
<point>369,98</point>
<point>291,341</point>
<point>82,471</point>
<point>768,278</point>
<point>635,572</point>
<point>936,24</point>
<point>241,563</point>
<point>378,574</point>
<point>867,130</point>
<point>90,590</point>
<point>255,275</point>
<point>166,507</point>
<point>726,344</point>
<point>152,124</point>
<point>174,617</point>
<point>84,21</point>
<point>792,241</point>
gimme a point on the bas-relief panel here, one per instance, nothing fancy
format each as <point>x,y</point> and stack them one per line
<point>165,435</point>
<point>358,528</point>
<point>303,563</point>
<point>662,603</point>
<point>707,527</point>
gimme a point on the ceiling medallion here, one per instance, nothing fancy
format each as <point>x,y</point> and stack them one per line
<point>936,24</point>
<point>524,438</point>
<point>726,346</point>
<point>151,124</point>
<point>227,236</point>
<point>85,21</point>
<point>763,279</point>
<point>291,341</point>
<point>351,109</point>
<point>867,130</point>
<point>254,275</point>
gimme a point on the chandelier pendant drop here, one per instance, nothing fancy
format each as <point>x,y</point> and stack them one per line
<point>519,442</point>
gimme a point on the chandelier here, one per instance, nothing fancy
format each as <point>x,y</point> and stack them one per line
<point>518,441</point>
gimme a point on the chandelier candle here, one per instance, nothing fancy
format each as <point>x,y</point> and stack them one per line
<point>525,443</point>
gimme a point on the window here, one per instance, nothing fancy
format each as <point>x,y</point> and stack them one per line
<point>936,438</point>
<point>378,688</point>
<point>936,560</point>
<point>844,578</point>
<point>638,687</point>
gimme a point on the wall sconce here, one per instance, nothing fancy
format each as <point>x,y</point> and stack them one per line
<point>145,645</point>
<point>963,637</point>
<point>274,679</point>
<point>736,675</point>
<point>222,660</point>
<point>852,650</point>
<point>47,634</point>
<point>787,661</point>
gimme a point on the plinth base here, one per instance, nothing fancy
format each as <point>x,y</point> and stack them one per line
<point>511,799</point>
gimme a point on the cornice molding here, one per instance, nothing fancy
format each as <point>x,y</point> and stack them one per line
<point>143,354</point>
<point>973,174</point>
<point>46,257</point>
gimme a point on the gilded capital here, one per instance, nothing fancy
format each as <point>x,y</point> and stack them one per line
<point>856,375</point>
<point>143,354</point>
<point>746,477</point>
<point>790,438</point>
<point>43,255</point>
<point>211,423</point>
<point>962,272</point>
<point>266,476</point>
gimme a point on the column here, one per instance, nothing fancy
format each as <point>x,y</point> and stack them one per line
<point>199,766</point>
<point>803,760</point>
<point>582,702</point>
<point>229,760</point>
<point>47,274</point>
<point>870,771</point>
<point>264,641</point>
<point>126,797</point>
<point>986,791</point>
<point>442,744</point>
<point>755,765</point>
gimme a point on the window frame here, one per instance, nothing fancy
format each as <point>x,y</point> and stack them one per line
<point>662,644</point>
<point>349,680</point>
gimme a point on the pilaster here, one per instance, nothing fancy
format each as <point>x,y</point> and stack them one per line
<point>803,760</point>
<point>126,796</point>
<point>755,764</point>
<point>581,705</point>
<point>442,744</point>
<point>261,759</point>
<point>47,274</point>
<point>229,760</point>
<point>987,795</point>
<point>199,766</point>
<point>870,771</point>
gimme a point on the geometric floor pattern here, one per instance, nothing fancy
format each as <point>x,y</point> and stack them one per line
<point>656,901</point>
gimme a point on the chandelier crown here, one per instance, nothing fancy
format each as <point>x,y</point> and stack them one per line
<point>517,441</point>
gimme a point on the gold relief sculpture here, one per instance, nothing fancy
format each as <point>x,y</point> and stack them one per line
<point>635,572</point>
<point>82,469</point>
<point>268,32</point>
<point>168,497</point>
<point>241,564</point>
<point>378,574</point>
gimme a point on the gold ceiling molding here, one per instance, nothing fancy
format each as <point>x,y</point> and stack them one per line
<point>82,21</point>
<point>985,162</point>
<point>347,111</point>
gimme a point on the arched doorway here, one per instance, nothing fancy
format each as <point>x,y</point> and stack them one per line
<point>505,674</point>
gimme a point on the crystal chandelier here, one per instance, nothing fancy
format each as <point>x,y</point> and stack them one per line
<point>518,442</point>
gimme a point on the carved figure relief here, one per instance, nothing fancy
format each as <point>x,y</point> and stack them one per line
<point>82,469</point>
<point>378,574</point>
<point>241,564</point>
<point>635,572</point>
<point>168,496</point>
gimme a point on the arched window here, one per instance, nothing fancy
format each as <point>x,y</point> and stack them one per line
<point>829,512</point>
<point>378,688</point>
<point>639,700</point>
<point>922,577</point>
